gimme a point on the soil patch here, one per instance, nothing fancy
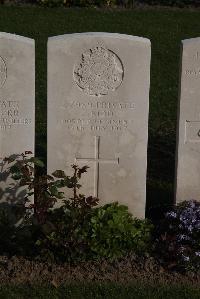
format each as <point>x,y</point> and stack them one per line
<point>18,270</point>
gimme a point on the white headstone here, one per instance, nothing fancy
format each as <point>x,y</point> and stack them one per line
<point>17,103</point>
<point>188,137</point>
<point>98,101</point>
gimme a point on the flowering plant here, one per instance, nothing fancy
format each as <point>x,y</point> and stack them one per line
<point>178,237</point>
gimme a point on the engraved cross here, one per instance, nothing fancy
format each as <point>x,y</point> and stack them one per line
<point>96,160</point>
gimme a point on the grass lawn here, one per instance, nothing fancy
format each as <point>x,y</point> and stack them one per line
<point>164,28</point>
<point>98,291</point>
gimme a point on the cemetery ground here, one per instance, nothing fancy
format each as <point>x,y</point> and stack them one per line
<point>165,29</point>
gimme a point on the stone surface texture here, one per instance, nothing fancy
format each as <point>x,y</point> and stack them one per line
<point>17,103</point>
<point>188,135</point>
<point>98,101</point>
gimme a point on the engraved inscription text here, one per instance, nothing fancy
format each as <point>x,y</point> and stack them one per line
<point>3,72</point>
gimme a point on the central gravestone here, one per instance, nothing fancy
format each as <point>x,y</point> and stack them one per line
<point>98,100</point>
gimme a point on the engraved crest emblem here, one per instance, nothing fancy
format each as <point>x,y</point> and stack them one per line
<point>3,72</point>
<point>99,71</point>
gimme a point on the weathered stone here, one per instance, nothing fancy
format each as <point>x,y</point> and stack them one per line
<point>17,105</point>
<point>98,100</point>
<point>188,135</point>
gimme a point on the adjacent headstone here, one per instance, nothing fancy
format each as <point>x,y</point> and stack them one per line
<point>188,136</point>
<point>17,105</point>
<point>98,101</point>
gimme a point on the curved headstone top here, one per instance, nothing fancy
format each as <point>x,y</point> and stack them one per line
<point>17,37</point>
<point>17,93</point>
<point>100,34</point>
<point>191,41</point>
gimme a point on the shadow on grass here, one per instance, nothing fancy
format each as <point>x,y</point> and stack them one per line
<point>160,174</point>
<point>102,290</point>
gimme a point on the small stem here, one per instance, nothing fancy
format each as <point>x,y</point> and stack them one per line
<point>74,188</point>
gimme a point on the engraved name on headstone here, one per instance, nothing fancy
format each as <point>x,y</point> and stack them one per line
<point>188,137</point>
<point>17,106</point>
<point>98,100</point>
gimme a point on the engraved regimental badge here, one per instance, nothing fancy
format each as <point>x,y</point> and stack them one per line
<point>3,72</point>
<point>99,71</point>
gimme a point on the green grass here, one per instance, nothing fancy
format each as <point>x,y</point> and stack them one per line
<point>164,28</point>
<point>98,291</point>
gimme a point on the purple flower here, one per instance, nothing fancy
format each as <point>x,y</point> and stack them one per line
<point>197,253</point>
<point>190,228</point>
<point>194,219</point>
<point>185,258</point>
<point>183,237</point>
<point>192,203</point>
<point>171,214</point>
<point>182,249</point>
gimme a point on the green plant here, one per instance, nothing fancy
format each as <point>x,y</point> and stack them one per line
<point>77,230</point>
<point>23,168</point>
<point>103,232</point>
<point>7,233</point>
<point>60,239</point>
<point>15,240</point>
<point>45,188</point>
<point>112,231</point>
<point>38,215</point>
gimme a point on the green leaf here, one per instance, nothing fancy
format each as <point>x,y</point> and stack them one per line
<point>37,162</point>
<point>11,158</point>
<point>59,183</point>
<point>38,242</point>
<point>53,190</point>
<point>15,168</point>
<point>47,195</point>
<point>59,174</point>
<point>60,195</point>
<point>30,193</point>
<point>17,176</point>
